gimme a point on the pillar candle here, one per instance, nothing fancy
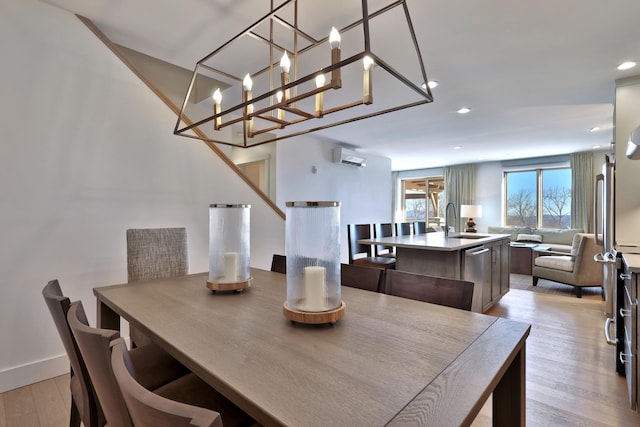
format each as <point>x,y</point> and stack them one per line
<point>314,288</point>
<point>230,267</point>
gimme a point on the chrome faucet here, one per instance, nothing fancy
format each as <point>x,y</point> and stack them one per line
<point>446,217</point>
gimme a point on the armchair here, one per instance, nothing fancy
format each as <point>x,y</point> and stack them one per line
<point>576,268</point>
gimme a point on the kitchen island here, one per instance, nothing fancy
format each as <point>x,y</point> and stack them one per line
<point>479,258</point>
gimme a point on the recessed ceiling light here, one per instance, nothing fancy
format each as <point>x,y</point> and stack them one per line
<point>595,147</point>
<point>594,129</point>
<point>457,147</point>
<point>463,110</point>
<point>432,84</point>
<point>626,65</point>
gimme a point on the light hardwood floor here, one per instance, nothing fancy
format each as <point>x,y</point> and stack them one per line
<point>571,379</point>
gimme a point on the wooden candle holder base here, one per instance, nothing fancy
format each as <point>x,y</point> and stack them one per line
<point>235,286</point>
<point>314,318</point>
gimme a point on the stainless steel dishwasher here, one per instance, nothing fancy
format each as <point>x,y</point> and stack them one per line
<point>477,269</point>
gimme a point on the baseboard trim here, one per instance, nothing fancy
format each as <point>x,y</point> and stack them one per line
<point>20,376</point>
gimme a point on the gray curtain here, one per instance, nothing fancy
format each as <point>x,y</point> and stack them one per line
<point>582,191</point>
<point>396,202</point>
<point>460,189</point>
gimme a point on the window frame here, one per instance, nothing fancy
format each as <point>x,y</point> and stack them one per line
<point>539,192</point>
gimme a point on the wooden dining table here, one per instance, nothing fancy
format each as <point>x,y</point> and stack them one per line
<point>388,361</point>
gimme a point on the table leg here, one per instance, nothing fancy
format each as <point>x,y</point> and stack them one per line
<point>107,318</point>
<point>509,395</point>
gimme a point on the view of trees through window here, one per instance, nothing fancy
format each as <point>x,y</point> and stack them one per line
<point>539,198</point>
<point>423,200</point>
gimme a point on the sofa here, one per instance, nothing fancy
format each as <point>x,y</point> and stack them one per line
<point>556,239</point>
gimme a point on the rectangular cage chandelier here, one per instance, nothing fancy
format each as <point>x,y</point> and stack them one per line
<point>306,66</point>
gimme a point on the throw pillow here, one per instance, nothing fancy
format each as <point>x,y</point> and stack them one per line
<point>529,238</point>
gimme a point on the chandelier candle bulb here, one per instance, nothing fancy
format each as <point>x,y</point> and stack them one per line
<point>217,100</point>
<point>367,87</point>
<point>280,113</point>
<point>247,85</point>
<point>285,66</point>
<point>334,42</point>
<point>314,288</point>
<point>320,80</point>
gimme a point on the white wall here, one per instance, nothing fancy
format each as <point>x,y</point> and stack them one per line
<point>364,193</point>
<point>86,152</point>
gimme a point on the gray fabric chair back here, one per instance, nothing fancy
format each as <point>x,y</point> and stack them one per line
<point>148,409</point>
<point>154,253</point>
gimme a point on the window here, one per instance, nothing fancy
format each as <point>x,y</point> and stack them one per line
<point>538,198</point>
<point>423,200</point>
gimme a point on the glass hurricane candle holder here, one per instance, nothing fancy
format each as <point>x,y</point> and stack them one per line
<point>229,247</point>
<point>313,262</point>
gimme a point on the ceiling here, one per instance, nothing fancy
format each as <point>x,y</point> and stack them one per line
<point>537,75</point>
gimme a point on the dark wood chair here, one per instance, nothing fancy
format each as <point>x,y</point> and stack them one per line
<point>419,227</point>
<point>363,254</point>
<point>383,230</point>
<point>154,253</point>
<point>403,228</point>
<point>155,371</point>
<point>84,403</point>
<point>279,264</point>
<point>148,409</point>
<point>436,290</point>
<point>362,277</point>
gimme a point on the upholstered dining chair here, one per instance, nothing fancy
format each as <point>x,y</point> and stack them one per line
<point>363,254</point>
<point>148,409</point>
<point>436,290</point>
<point>155,371</point>
<point>362,277</point>
<point>154,253</point>
<point>84,403</point>
<point>577,268</point>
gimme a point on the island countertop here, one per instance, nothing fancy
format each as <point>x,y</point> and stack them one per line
<point>436,241</point>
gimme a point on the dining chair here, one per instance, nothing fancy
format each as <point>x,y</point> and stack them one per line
<point>403,228</point>
<point>154,253</point>
<point>436,290</point>
<point>148,409</point>
<point>279,264</point>
<point>363,254</point>
<point>419,227</point>
<point>84,403</point>
<point>383,230</point>
<point>155,371</point>
<point>362,277</point>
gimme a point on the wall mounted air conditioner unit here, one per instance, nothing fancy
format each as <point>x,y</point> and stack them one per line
<point>348,157</point>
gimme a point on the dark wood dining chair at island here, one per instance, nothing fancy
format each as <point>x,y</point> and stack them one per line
<point>154,253</point>
<point>362,277</point>
<point>436,290</point>
<point>155,371</point>
<point>363,254</point>
<point>419,227</point>
<point>279,263</point>
<point>383,230</point>
<point>403,228</point>
<point>84,403</point>
<point>148,409</point>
